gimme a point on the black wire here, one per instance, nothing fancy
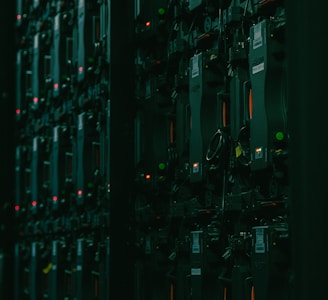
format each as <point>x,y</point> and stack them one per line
<point>219,147</point>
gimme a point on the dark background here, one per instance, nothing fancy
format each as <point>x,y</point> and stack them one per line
<point>7,149</point>
<point>308,65</point>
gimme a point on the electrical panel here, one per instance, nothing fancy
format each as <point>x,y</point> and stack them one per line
<point>62,166</point>
<point>210,148</point>
<point>211,180</point>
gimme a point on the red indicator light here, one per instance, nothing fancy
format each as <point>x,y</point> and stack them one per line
<point>148,24</point>
<point>34,203</point>
<point>56,85</point>
<point>54,198</point>
<point>17,207</point>
<point>80,192</point>
<point>19,17</point>
<point>35,100</point>
<point>147,176</point>
<point>18,111</point>
<point>258,150</point>
<point>80,69</point>
<point>195,165</point>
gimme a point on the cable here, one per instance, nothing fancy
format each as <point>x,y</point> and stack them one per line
<point>216,146</point>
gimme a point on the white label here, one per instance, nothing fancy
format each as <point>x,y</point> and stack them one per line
<point>258,40</point>
<point>195,242</point>
<point>258,68</point>
<point>194,66</point>
<point>136,8</point>
<point>81,4</point>
<point>56,22</point>
<point>33,250</point>
<point>79,248</point>
<point>36,3</point>
<point>54,248</point>
<point>56,133</point>
<point>18,57</point>
<point>259,244</point>
<point>19,7</point>
<point>36,41</point>
<point>35,144</point>
<point>196,271</point>
<point>80,122</point>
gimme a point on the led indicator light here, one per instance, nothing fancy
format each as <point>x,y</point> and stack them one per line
<point>54,198</point>
<point>148,24</point>
<point>19,17</point>
<point>90,185</point>
<point>195,167</point>
<point>80,192</point>
<point>80,69</point>
<point>34,203</point>
<point>56,86</point>
<point>35,100</point>
<point>147,176</point>
<point>280,136</point>
<point>18,111</point>
<point>17,207</point>
<point>259,153</point>
<point>161,166</point>
<point>161,11</point>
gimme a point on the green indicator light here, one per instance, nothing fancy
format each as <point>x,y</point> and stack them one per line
<point>280,136</point>
<point>161,11</point>
<point>91,59</point>
<point>90,185</point>
<point>161,166</point>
